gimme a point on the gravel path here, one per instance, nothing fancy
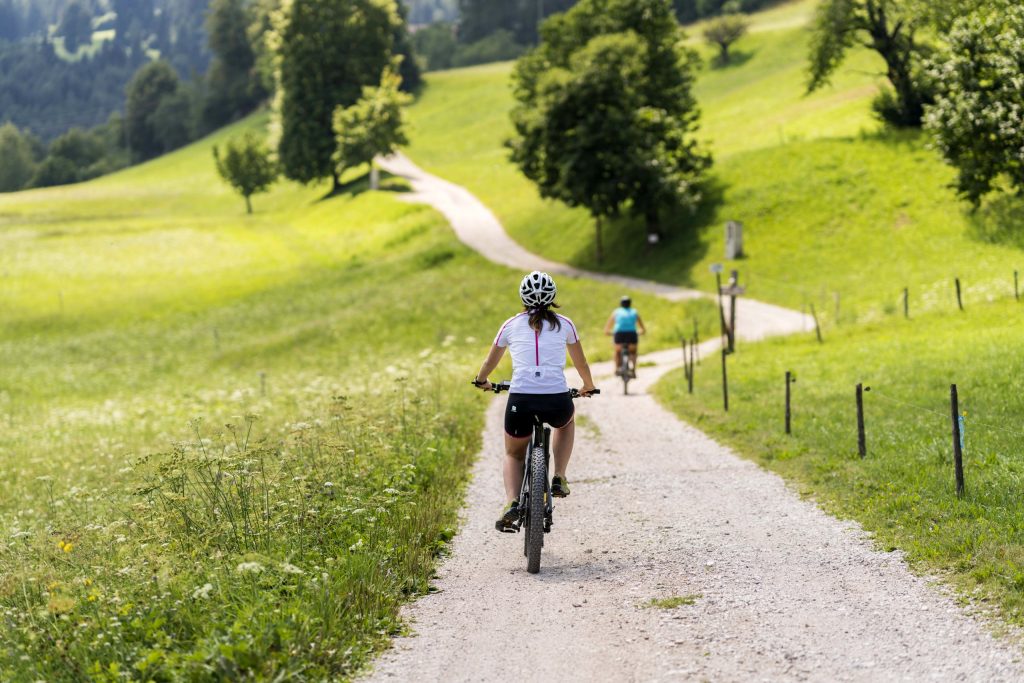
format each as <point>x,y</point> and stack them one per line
<point>780,591</point>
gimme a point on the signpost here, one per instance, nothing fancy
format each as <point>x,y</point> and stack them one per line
<point>732,290</point>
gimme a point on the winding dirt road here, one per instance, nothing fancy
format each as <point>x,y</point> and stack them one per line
<point>775,590</point>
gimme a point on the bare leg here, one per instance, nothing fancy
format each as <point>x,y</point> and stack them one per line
<point>617,356</point>
<point>515,453</point>
<point>562,446</point>
<point>632,356</point>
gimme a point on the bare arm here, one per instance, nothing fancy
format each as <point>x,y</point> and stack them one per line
<point>608,325</point>
<point>491,362</point>
<point>579,360</point>
<point>640,324</point>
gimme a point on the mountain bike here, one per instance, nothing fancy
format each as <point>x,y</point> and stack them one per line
<point>624,371</point>
<point>537,511</point>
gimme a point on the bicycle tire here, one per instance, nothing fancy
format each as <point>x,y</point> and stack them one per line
<point>535,520</point>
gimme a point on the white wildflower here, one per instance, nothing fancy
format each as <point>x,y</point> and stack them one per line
<point>249,568</point>
<point>202,592</point>
<point>290,569</point>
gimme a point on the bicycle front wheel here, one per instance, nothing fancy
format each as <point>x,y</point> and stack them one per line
<point>535,521</point>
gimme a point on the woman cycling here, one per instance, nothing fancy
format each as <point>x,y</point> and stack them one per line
<point>624,323</point>
<point>538,338</point>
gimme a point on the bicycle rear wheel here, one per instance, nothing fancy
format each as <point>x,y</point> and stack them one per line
<point>535,519</point>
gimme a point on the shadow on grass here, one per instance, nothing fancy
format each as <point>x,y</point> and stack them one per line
<point>736,58</point>
<point>999,221</point>
<point>625,242</point>
<point>361,184</point>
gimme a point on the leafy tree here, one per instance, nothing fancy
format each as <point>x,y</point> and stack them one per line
<point>436,45</point>
<point>327,51</point>
<point>373,125</point>
<point>55,171</point>
<point>978,116</point>
<point>76,26</point>
<point>16,162</point>
<point>152,84</point>
<point>605,113</point>
<point>890,28</point>
<point>81,148</point>
<point>724,31</point>
<point>246,166</point>
<point>232,86</point>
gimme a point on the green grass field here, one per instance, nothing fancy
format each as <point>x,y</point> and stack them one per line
<point>821,189</point>
<point>207,466</point>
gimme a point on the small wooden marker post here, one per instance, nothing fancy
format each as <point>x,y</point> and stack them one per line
<point>862,447</point>
<point>959,299</point>
<point>725,382</point>
<point>734,286</point>
<point>817,327</point>
<point>216,340</point>
<point>263,384</point>
<point>789,380</point>
<point>693,353</point>
<point>906,303</point>
<point>958,456</point>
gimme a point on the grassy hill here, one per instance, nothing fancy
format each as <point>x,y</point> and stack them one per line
<point>821,188</point>
<point>208,465</point>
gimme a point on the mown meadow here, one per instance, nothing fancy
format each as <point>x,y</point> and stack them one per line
<point>233,445</point>
<point>822,189</point>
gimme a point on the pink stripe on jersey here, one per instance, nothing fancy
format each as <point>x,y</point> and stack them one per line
<point>574,333</point>
<point>506,325</point>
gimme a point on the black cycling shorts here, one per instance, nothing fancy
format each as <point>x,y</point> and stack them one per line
<point>554,409</point>
<point>626,338</point>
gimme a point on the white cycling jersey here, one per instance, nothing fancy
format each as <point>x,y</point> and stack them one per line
<point>538,358</point>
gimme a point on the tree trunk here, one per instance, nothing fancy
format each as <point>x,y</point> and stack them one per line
<point>248,204</point>
<point>336,184</point>
<point>896,48</point>
<point>598,247</point>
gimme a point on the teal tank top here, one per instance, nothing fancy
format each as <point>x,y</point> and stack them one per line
<point>625,319</point>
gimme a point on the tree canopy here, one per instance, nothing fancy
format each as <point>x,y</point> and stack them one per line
<point>246,166</point>
<point>327,51</point>
<point>373,125</point>
<point>605,114</point>
<point>978,116</point>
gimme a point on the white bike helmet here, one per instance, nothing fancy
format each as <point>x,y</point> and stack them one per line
<point>537,289</point>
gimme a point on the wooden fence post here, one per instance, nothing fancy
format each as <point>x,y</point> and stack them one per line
<point>1016,288</point>
<point>959,299</point>
<point>862,448</point>
<point>789,379</point>
<point>696,336</point>
<point>817,327</point>
<point>693,353</point>
<point>906,303</point>
<point>958,456</point>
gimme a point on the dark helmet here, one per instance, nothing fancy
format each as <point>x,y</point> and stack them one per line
<point>625,302</point>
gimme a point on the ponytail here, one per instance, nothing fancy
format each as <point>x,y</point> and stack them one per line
<point>543,314</point>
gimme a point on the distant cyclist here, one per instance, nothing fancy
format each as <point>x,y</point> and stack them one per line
<point>624,323</point>
<point>538,339</point>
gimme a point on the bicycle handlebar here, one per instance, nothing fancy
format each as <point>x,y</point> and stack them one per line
<point>498,387</point>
